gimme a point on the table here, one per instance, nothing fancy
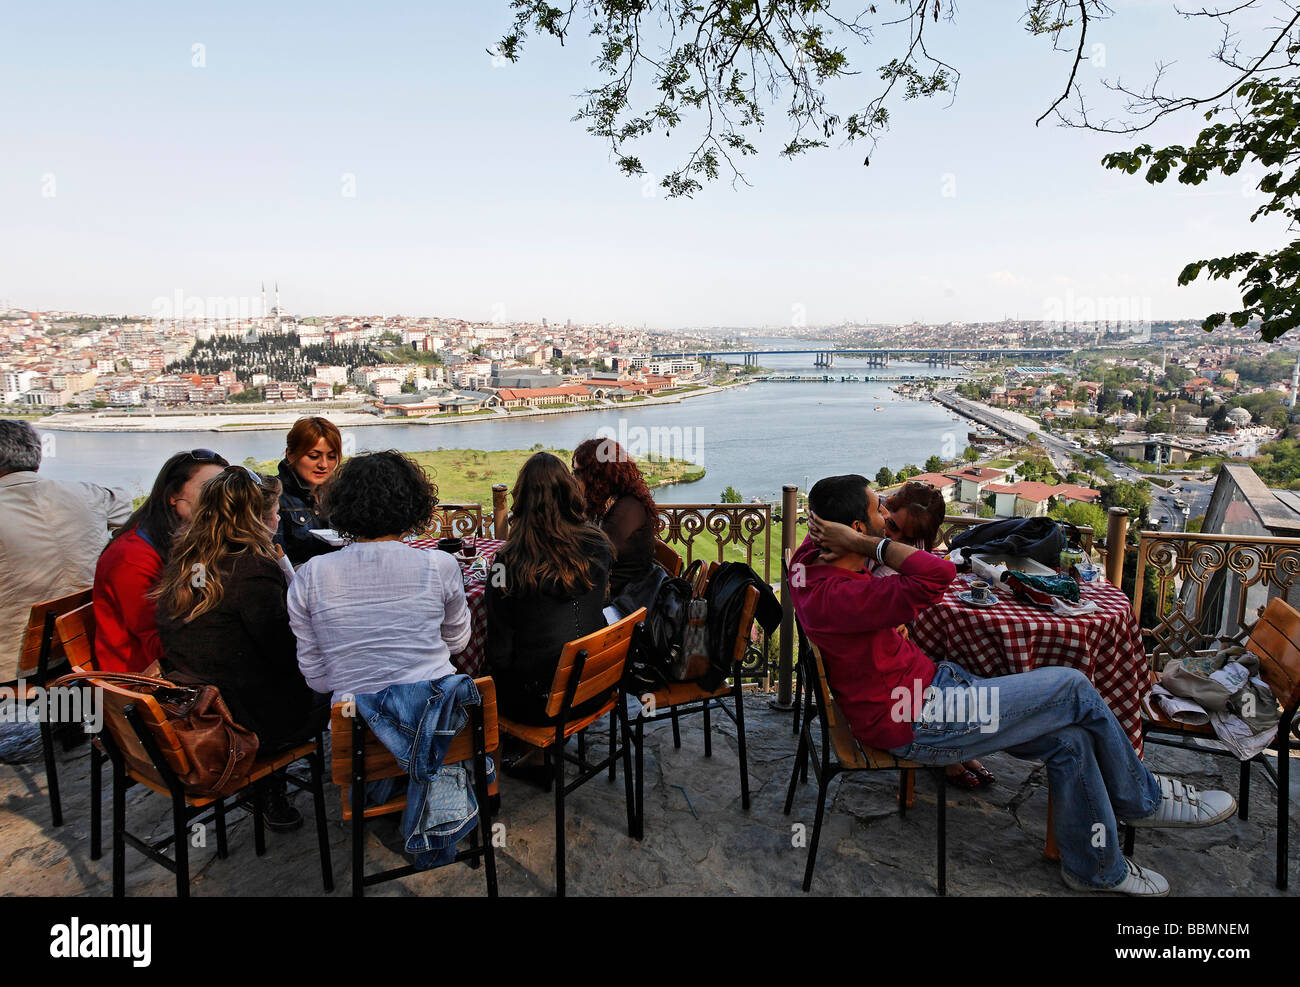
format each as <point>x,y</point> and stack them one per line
<point>471,659</point>
<point>1015,637</point>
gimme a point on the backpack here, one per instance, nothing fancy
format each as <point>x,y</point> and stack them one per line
<point>1037,538</point>
<point>667,600</point>
<point>726,601</point>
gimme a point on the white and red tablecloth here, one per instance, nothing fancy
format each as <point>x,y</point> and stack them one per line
<point>470,660</point>
<point>1015,637</point>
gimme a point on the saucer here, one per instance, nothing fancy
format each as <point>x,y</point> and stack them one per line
<point>965,597</point>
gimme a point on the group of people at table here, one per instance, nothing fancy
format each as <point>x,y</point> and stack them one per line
<point>218,578</point>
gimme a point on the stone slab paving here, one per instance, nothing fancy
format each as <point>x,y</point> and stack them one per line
<point>698,840</point>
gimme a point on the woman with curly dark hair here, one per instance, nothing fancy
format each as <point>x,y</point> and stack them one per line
<point>554,572</point>
<point>378,612</point>
<point>620,502</point>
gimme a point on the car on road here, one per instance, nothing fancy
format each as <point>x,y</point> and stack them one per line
<point>1180,504</point>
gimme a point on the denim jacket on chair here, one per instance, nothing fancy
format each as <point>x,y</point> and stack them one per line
<point>417,722</point>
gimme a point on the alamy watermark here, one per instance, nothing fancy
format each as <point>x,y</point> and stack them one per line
<point>654,442</point>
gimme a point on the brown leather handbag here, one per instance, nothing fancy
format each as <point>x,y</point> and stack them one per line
<point>219,752</point>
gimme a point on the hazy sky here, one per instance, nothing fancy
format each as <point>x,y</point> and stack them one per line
<point>129,174</point>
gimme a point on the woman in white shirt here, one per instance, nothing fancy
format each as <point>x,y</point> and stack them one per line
<point>378,612</point>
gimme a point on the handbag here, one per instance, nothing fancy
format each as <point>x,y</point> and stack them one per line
<point>219,753</point>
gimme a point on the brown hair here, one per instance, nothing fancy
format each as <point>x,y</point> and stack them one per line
<point>923,505</point>
<point>550,541</point>
<point>230,518</point>
<point>607,473</point>
<point>306,432</point>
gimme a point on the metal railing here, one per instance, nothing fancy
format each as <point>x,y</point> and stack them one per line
<point>1194,592</point>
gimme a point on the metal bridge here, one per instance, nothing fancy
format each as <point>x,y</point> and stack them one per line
<point>935,356</point>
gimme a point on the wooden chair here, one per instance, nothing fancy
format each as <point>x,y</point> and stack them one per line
<point>143,748</point>
<point>686,698</point>
<point>359,757</point>
<point>74,637</point>
<point>591,667</point>
<point>1275,640</point>
<point>837,751</point>
<point>668,558</point>
<point>40,661</point>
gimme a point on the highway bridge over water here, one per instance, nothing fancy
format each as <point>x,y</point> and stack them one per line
<point>935,356</point>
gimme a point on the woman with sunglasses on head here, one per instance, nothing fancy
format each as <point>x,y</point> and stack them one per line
<point>223,620</point>
<point>313,450</point>
<point>619,501</point>
<point>126,633</point>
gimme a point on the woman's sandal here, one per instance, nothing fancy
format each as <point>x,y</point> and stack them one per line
<point>982,774</point>
<point>963,779</point>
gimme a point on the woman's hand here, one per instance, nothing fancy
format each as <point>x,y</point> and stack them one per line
<point>838,540</point>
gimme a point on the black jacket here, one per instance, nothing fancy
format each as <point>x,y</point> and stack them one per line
<point>726,598</point>
<point>299,515</point>
<point>245,647</point>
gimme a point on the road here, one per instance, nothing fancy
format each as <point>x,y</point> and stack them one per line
<point>1195,493</point>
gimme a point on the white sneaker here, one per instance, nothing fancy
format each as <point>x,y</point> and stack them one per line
<point>1138,881</point>
<point>1183,806</point>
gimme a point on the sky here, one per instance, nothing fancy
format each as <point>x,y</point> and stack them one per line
<point>376,159</point>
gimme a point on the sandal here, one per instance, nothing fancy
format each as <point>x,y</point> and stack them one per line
<point>982,774</point>
<point>963,779</point>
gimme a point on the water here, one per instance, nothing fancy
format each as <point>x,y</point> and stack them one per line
<point>755,438</point>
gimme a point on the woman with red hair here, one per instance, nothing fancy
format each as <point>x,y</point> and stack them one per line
<point>313,450</point>
<point>620,502</point>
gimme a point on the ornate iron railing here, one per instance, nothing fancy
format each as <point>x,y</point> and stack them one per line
<point>1207,588</point>
<point>459,520</point>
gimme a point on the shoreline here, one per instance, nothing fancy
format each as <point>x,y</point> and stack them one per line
<point>275,421</point>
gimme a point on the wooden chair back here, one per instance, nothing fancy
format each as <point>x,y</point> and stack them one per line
<point>37,634</point>
<point>668,558</point>
<point>116,698</point>
<point>607,653</point>
<point>1275,640</point>
<point>379,761</point>
<point>74,634</point>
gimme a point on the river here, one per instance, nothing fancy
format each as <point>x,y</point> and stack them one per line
<point>754,438</point>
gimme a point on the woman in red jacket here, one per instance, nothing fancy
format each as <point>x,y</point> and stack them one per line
<point>126,633</point>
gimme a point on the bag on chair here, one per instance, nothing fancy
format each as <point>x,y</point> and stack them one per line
<point>219,752</point>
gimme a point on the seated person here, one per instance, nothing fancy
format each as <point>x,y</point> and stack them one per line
<point>620,502</point>
<point>313,450</point>
<point>554,574</point>
<point>222,620</point>
<point>52,535</point>
<point>378,612</point>
<point>880,679</point>
<point>126,631</point>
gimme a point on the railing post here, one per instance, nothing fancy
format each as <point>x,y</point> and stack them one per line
<point>789,541</point>
<point>499,512</point>
<point>1116,544</point>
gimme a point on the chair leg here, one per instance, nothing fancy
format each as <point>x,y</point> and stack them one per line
<point>1283,800</point>
<point>1243,791</point>
<point>181,836</point>
<point>739,700</point>
<point>119,831</point>
<point>219,818</point>
<point>941,796</point>
<point>51,770</point>
<point>259,817</point>
<point>318,805</point>
<point>906,790</point>
<point>798,694</point>
<point>799,758</point>
<point>822,785</point>
<point>557,761</point>
<point>708,728</point>
<point>96,801</point>
<point>632,818</point>
<point>677,731</point>
<point>640,777</point>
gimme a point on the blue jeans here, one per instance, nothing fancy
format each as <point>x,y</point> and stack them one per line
<point>1052,715</point>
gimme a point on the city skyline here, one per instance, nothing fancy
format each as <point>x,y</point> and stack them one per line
<point>388,164</point>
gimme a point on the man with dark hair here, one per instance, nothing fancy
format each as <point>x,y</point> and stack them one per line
<point>51,534</point>
<point>896,698</point>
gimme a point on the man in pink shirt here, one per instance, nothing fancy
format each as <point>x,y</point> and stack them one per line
<point>896,698</point>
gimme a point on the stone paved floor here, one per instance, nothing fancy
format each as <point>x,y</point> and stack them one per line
<point>698,840</point>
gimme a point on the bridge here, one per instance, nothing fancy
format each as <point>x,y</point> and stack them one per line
<point>935,356</point>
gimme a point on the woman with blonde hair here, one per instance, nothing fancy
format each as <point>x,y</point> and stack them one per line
<point>223,620</point>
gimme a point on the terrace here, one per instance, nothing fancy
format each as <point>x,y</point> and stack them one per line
<point>1190,590</point>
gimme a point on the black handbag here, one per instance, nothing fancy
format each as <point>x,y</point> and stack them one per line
<point>667,602</point>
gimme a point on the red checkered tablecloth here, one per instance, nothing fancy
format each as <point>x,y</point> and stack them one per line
<point>1014,637</point>
<point>470,660</point>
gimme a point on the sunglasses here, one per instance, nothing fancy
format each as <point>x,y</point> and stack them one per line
<point>203,455</point>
